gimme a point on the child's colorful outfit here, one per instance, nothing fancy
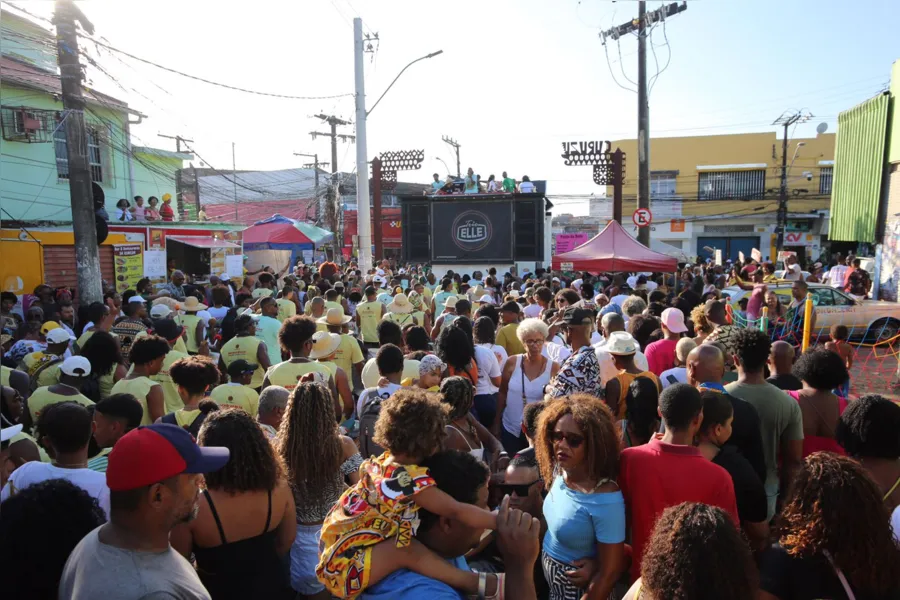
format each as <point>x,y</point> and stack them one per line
<point>381,506</point>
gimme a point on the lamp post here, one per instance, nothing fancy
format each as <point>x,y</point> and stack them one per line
<point>364,218</point>
<point>443,163</point>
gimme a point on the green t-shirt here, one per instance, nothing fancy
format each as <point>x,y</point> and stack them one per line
<point>779,420</point>
<point>509,184</point>
<point>267,330</point>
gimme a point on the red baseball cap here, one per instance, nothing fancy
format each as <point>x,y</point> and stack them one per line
<point>154,453</point>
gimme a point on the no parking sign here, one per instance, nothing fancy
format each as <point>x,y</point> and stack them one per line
<point>642,217</point>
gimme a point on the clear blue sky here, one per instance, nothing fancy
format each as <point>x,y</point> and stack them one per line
<point>516,78</point>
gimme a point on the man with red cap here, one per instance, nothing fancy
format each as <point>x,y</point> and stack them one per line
<point>153,477</point>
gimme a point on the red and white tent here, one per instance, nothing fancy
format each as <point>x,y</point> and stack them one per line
<point>613,250</point>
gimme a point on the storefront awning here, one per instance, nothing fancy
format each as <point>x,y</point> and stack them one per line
<point>198,241</point>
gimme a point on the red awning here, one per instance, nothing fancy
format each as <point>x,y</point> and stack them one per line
<point>199,241</point>
<point>613,250</point>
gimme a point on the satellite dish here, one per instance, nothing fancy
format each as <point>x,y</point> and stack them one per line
<point>822,127</point>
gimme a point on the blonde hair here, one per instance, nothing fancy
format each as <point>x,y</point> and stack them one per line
<point>532,326</point>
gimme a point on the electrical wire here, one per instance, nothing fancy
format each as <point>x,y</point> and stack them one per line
<point>668,59</point>
<point>611,73</point>
<point>622,66</point>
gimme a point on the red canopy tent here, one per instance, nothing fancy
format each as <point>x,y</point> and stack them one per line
<point>613,250</point>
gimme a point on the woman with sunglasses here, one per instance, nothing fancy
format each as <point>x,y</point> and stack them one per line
<point>578,451</point>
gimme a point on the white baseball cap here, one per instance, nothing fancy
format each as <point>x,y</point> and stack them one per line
<point>137,298</point>
<point>76,366</point>
<point>160,311</point>
<point>59,336</point>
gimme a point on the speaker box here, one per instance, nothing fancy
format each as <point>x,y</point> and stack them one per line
<point>416,231</point>
<point>528,223</point>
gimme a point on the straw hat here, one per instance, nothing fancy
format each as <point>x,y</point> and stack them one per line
<point>335,316</point>
<point>400,305</point>
<point>192,304</point>
<point>621,343</point>
<point>324,344</point>
<point>477,291</point>
<point>451,302</point>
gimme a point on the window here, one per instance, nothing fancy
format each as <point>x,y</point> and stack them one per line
<point>662,184</point>
<point>825,174</point>
<point>822,296</point>
<point>738,185</point>
<point>25,124</point>
<point>841,299</point>
<point>95,154</point>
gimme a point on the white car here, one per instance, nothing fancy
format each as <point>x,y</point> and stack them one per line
<point>868,320</point>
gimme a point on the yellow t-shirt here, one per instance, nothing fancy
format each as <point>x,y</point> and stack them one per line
<point>24,436</point>
<point>185,418</point>
<point>369,317</point>
<point>43,397</point>
<point>46,376</point>
<point>409,381</point>
<point>106,382</point>
<point>244,347</point>
<point>79,343</point>
<point>286,309</point>
<point>170,390</point>
<point>348,354</point>
<point>330,305</point>
<point>508,339</point>
<point>4,375</point>
<point>190,329</point>
<point>237,395</point>
<point>332,368</point>
<point>139,388</point>
<point>262,293</point>
<point>401,320</point>
<point>179,343</point>
<point>288,373</point>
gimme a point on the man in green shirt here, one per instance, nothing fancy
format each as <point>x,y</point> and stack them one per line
<point>509,184</point>
<point>267,328</point>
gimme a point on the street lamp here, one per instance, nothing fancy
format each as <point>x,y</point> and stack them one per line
<point>432,55</point>
<point>443,163</point>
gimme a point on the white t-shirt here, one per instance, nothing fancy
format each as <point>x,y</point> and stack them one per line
<point>526,187</point>
<point>793,272</point>
<point>370,375</point>
<point>93,482</point>
<point>533,311</point>
<point>205,315</point>
<point>217,313</point>
<point>619,299</point>
<point>678,374</point>
<point>556,352</point>
<point>608,368</point>
<point>632,281</point>
<point>836,276</point>
<point>488,366</point>
<point>596,338</point>
<point>383,392</point>
<point>895,523</point>
<point>499,352</point>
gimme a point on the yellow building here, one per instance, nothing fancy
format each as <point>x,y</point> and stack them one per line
<point>721,191</point>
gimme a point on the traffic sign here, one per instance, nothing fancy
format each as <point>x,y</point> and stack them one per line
<point>642,217</point>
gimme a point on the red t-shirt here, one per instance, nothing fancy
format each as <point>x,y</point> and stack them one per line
<point>660,356</point>
<point>657,475</point>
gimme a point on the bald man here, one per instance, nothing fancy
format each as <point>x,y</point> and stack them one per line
<point>781,361</point>
<point>705,370</point>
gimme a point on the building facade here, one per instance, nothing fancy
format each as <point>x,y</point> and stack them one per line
<point>720,192</point>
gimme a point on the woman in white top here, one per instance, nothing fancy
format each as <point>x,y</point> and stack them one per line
<point>488,385</point>
<point>466,434</point>
<point>523,381</point>
<point>122,212</point>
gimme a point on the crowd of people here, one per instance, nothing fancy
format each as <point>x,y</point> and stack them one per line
<point>472,184</point>
<point>323,432</point>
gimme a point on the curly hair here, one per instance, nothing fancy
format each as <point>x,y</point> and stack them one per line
<point>309,441</point>
<point>530,415</point>
<point>454,347</point>
<point>194,373</point>
<point>822,369</point>
<point>459,395</point>
<point>416,338</point>
<point>753,348</point>
<point>39,527</point>
<point>696,553</point>
<point>868,428</point>
<point>598,426</point>
<point>295,332</point>
<point>698,318</point>
<point>489,311</point>
<point>253,465</point>
<point>412,422</point>
<point>102,350</point>
<point>147,349</point>
<point>641,327</point>
<point>485,331</point>
<point>835,507</point>
<point>632,306</point>
<point>642,407</point>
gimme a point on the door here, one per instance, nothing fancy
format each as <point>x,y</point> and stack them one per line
<point>714,243</point>
<point>741,244</point>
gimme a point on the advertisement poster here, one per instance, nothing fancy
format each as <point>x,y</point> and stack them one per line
<point>472,231</point>
<point>569,241</point>
<point>234,266</point>
<point>155,264</point>
<point>128,261</point>
<point>217,260</point>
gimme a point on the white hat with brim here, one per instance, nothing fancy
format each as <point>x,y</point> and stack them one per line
<point>620,343</point>
<point>137,298</point>
<point>192,304</point>
<point>486,299</point>
<point>7,433</point>
<point>160,311</point>
<point>59,336</point>
<point>76,366</point>
<point>335,316</point>
<point>324,344</point>
<point>513,294</point>
<point>400,305</point>
<point>451,302</point>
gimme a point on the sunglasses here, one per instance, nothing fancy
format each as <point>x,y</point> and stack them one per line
<point>520,490</point>
<point>574,440</point>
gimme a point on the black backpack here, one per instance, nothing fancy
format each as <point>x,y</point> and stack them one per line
<point>368,416</point>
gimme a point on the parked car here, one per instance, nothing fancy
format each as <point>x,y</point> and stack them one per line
<point>869,321</point>
<point>780,273</point>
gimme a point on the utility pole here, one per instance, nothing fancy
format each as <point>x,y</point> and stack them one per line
<point>331,214</point>
<point>363,217</point>
<point>87,253</point>
<point>641,26</point>
<point>785,120</point>
<point>234,181</point>
<point>320,209</point>
<point>449,140</point>
<point>178,140</point>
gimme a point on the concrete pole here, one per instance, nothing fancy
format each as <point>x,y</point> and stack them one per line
<point>643,122</point>
<point>364,218</point>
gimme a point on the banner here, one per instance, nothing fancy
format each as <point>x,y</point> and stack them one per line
<point>569,241</point>
<point>472,231</point>
<point>128,261</point>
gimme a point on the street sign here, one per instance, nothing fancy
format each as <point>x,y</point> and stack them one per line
<point>642,217</point>
<point>567,266</point>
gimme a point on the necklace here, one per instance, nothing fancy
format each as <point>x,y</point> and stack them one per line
<point>79,465</point>
<point>470,429</point>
